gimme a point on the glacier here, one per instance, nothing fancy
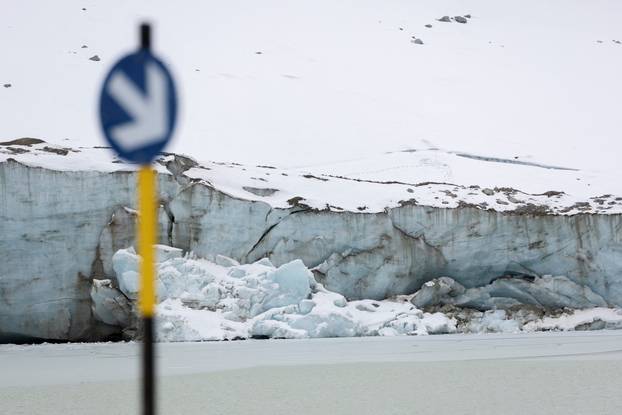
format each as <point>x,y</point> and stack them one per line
<point>65,212</point>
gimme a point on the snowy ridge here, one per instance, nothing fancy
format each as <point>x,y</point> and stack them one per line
<point>431,177</point>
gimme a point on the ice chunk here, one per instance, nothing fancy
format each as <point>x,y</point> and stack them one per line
<point>164,252</point>
<point>494,321</point>
<point>549,292</point>
<point>203,300</point>
<point>435,291</point>
<point>289,284</point>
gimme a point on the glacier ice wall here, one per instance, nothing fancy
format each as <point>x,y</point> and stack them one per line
<point>59,230</point>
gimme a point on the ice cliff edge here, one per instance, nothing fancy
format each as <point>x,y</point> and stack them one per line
<point>64,212</point>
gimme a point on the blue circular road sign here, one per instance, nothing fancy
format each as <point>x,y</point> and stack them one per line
<point>138,107</point>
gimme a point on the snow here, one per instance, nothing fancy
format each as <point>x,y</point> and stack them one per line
<point>337,82</point>
<point>598,317</point>
<point>200,300</point>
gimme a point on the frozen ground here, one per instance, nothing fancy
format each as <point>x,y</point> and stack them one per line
<point>548,373</point>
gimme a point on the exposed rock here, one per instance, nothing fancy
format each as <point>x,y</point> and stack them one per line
<point>310,176</point>
<point>17,150</point>
<point>428,26</point>
<point>7,85</point>
<point>445,19</point>
<point>488,192</point>
<point>263,192</point>
<point>552,193</point>
<point>26,141</point>
<point>460,19</point>
<point>109,305</point>
<point>417,41</point>
<point>531,209</point>
<point>56,150</point>
<point>94,58</point>
<point>297,201</point>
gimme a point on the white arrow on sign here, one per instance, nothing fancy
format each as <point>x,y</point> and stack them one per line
<point>149,112</point>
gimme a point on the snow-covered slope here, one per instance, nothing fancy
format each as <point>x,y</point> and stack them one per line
<point>308,82</point>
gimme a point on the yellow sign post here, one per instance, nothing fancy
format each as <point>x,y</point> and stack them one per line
<point>147,230</point>
<point>147,237</point>
<point>138,107</point>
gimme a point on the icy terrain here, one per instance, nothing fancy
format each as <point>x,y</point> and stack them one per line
<point>554,373</point>
<point>223,300</point>
<point>363,239</point>
<point>382,144</point>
